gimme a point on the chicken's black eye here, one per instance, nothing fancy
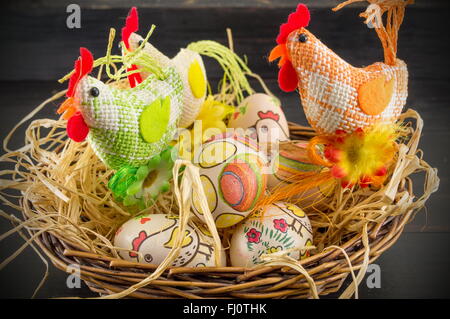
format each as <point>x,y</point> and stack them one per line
<point>94,92</point>
<point>140,42</point>
<point>148,258</point>
<point>302,38</point>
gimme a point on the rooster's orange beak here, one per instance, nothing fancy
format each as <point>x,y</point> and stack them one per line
<point>279,51</point>
<point>69,108</point>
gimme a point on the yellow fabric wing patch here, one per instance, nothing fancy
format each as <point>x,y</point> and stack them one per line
<point>154,120</point>
<point>197,80</point>
<point>374,96</point>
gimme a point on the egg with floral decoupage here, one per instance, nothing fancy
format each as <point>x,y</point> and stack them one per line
<point>282,226</point>
<point>149,238</point>
<point>232,174</point>
<point>291,159</point>
<point>262,114</point>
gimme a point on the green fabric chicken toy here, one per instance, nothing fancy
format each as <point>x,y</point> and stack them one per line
<point>128,129</point>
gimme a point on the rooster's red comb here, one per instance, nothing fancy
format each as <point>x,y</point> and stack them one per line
<point>296,20</point>
<point>83,66</point>
<point>131,25</point>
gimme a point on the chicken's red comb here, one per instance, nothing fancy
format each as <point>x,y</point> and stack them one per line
<point>296,20</point>
<point>269,115</point>
<point>83,66</point>
<point>131,25</point>
<point>137,242</point>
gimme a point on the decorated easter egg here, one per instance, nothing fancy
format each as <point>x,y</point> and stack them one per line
<point>280,227</point>
<point>231,171</point>
<point>292,159</point>
<point>262,114</point>
<point>149,239</point>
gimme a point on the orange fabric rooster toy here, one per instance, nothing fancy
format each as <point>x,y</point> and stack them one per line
<point>336,95</point>
<point>353,110</point>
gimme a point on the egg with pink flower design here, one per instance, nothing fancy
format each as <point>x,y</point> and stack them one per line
<point>280,227</point>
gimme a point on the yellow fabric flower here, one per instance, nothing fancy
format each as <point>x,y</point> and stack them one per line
<point>212,115</point>
<point>210,121</point>
<point>364,155</point>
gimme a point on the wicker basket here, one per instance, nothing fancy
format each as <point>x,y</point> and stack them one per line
<point>329,269</point>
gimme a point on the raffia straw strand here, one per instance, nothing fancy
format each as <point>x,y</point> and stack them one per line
<point>290,262</point>
<point>44,261</point>
<point>254,75</point>
<point>194,177</point>
<point>17,222</point>
<point>362,272</point>
<point>30,116</point>
<point>25,245</point>
<point>388,35</point>
<point>347,258</point>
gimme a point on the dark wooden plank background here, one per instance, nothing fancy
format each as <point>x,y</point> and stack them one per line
<point>38,48</point>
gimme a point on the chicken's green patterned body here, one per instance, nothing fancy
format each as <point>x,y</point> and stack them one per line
<point>121,133</point>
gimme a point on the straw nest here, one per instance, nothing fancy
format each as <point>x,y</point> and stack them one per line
<point>60,190</point>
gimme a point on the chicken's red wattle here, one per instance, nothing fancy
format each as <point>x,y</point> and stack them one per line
<point>77,128</point>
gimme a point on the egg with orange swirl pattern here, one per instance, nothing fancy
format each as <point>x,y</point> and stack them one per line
<point>232,175</point>
<point>242,183</point>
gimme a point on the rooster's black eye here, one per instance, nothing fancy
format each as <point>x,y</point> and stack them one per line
<point>302,38</point>
<point>140,42</point>
<point>94,92</point>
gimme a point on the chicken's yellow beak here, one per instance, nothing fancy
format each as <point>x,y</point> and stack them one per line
<point>280,51</point>
<point>69,108</point>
